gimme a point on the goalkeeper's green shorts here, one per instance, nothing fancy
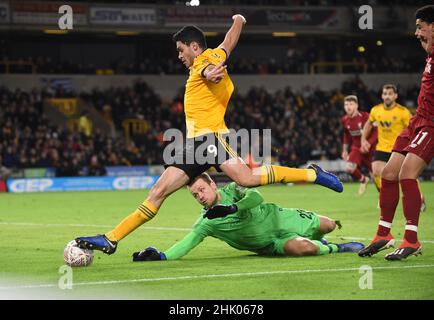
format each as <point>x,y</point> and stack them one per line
<point>293,223</point>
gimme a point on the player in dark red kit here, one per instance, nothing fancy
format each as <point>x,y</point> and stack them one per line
<point>353,123</point>
<point>412,152</point>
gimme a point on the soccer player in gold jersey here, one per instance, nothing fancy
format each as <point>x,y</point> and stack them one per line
<point>391,119</point>
<point>207,93</point>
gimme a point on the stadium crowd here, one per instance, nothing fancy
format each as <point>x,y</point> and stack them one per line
<point>305,126</point>
<point>296,62</point>
<point>297,55</point>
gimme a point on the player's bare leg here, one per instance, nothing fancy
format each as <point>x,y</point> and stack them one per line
<point>171,180</point>
<point>238,171</point>
<point>300,246</point>
<point>389,198</point>
<point>352,169</point>
<point>411,169</point>
<point>377,169</point>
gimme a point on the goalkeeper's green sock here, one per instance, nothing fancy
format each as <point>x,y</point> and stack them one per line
<point>325,248</point>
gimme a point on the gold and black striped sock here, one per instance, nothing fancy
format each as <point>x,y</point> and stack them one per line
<point>145,212</point>
<point>278,174</point>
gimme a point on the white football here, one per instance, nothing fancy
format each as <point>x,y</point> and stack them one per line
<point>77,257</point>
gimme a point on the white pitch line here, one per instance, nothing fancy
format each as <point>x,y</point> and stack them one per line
<point>366,239</point>
<point>56,225</point>
<point>208,276</point>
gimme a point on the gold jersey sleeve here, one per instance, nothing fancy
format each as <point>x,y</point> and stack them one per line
<point>390,123</point>
<point>205,103</point>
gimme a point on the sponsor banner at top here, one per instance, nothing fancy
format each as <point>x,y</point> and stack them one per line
<point>4,12</point>
<point>123,16</point>
<point>322,18</point>
<point>208,16</point>
<point>45,13</point>
<point>332,18</point>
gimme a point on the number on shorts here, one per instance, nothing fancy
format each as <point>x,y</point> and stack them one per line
<point>305,214</point>
<point>423,136</point>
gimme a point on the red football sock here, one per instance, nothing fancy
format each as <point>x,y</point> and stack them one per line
<point>389,198</point>
<point>411,202</point>
<point>357,175</point>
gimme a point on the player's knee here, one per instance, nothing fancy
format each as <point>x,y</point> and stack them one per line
<point>331,225</point>
<point>405,174</point>
<point>389,174</point>
<point>327,225</point>
<point>350,168</point>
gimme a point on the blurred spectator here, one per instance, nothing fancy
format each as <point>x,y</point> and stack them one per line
<point>85,124</point>
<point>4,171</point>
<point>95,168</point>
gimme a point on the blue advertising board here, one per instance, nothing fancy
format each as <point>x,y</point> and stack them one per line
<point>80,184</point>
<point>123,171</point>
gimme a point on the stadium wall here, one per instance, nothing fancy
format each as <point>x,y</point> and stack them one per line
<point>169,86</point>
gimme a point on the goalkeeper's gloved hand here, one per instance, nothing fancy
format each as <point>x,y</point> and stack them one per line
<point>219,211</point>
<point>149,254</point>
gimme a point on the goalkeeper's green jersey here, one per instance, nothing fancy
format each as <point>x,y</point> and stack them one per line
<point>256,226</point>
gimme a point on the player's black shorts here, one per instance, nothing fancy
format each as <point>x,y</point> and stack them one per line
<point>199,154</point>
<point>381,156</point>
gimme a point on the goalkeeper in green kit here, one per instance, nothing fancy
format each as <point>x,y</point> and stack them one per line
<point>239,217</point>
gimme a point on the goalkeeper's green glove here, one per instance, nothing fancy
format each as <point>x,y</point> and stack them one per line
<point>219,211</point>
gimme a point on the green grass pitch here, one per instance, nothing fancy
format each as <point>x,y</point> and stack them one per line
<point>34,229</point>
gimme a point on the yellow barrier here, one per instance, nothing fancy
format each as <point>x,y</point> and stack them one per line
<point>134,127</point>
<point>67,106</point>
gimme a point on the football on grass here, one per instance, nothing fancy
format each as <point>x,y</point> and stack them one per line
<point>77,257</point>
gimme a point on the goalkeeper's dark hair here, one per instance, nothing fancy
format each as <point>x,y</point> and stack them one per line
<point>189,34</point>
<point>204,176</point>
<point>425,14</point>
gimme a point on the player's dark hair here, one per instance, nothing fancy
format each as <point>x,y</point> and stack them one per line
<point>188,34</point>
<point>204,176</point>
<point>390,86</point>
<point>351,98</point>
<point>425,14</point>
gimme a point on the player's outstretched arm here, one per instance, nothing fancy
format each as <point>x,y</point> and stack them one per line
<point>366,132</point>
<point>346,141</point>
<point>233,34</point>
<point>178,250</point>
<point>251,199</point>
